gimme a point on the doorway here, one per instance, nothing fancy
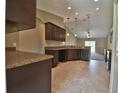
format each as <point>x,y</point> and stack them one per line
<point>91,44</point>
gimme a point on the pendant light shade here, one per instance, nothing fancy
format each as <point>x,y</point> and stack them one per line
<point>88,26</point>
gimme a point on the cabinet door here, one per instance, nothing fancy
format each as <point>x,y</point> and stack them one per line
<point>56,56</point>
<point>85,54</point>
<point>63,35</point>
<point>59,34</point>
<point>49,31</point>
<point>21,12</point>
<point>73,54</point>
<point>31,78</point>
<point>54,32</point>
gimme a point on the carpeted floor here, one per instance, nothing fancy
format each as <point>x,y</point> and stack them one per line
<point>80,77</point>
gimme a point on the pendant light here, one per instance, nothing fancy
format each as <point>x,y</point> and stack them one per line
<point>67,26</point>
<point>88,26</point>
<point>69,6</point>
<point>75,27</point>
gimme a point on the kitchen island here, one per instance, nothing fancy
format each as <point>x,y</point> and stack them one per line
<point>28,72</point>
<point>67,53</point>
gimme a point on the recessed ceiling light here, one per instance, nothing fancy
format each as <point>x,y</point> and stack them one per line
<point>97,8</point>
<point>76,13</point>
<point>96,0</point>
<point>69,8</point>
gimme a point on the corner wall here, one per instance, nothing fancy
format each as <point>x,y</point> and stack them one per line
<point>33,40</point>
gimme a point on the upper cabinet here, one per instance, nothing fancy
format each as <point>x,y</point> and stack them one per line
<point>20,15</point>
<point>54,32</point>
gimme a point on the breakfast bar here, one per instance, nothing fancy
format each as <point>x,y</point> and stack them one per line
<point>68,53</point>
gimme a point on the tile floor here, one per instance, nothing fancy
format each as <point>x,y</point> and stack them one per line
<point>97,56</point>
<point>80,77</point>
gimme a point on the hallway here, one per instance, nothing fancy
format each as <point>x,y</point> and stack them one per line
<point>80,77</point>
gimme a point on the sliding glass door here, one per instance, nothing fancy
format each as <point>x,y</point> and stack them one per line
<point>91,44</point>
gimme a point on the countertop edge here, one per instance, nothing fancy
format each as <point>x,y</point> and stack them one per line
<point>19,58</point>
<point>27,63</point>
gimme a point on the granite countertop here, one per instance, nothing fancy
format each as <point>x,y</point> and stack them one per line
<point>55,48</point>
<point>62,48</point>
<point>17,58</point>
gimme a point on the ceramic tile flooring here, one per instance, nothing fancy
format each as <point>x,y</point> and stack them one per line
<point>80,77</point>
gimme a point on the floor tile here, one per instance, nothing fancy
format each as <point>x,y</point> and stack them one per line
<point>80,77</point>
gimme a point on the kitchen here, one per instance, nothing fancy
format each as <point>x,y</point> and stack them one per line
<point>39,42</point>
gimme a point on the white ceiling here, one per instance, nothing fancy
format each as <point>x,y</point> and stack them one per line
<point>100,21</point>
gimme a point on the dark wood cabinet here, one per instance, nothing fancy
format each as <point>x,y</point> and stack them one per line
<point>85,54</point>
<point>31,78</point>
<point>59,56</point>
<point>54,32</point>
<point>67,54</point>
<point>49,30</point>
<point>62,35</point>
<point>73,54</point>
<point>55,53</point>
<point>21,13</point>
<point>63,55</point>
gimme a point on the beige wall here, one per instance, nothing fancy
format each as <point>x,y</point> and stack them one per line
<point>109,45</point>
<point>101,43</point>
<point>114,64</point>
<point>33,40</point>
<point>49,17</point>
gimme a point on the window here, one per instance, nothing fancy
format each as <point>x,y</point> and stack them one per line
<point>91,44</point>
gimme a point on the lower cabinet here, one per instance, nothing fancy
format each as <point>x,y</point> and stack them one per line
<point>55,53</point>
<point>64,55</point>
<point>73,54</point>
<point>31,78</point>
<point>85,54</point>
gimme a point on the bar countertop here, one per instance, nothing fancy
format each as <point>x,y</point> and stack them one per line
<point>62,48</point>
<point>18,58</point>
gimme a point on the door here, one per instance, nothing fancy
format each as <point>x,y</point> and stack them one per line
<point>91,44</point>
